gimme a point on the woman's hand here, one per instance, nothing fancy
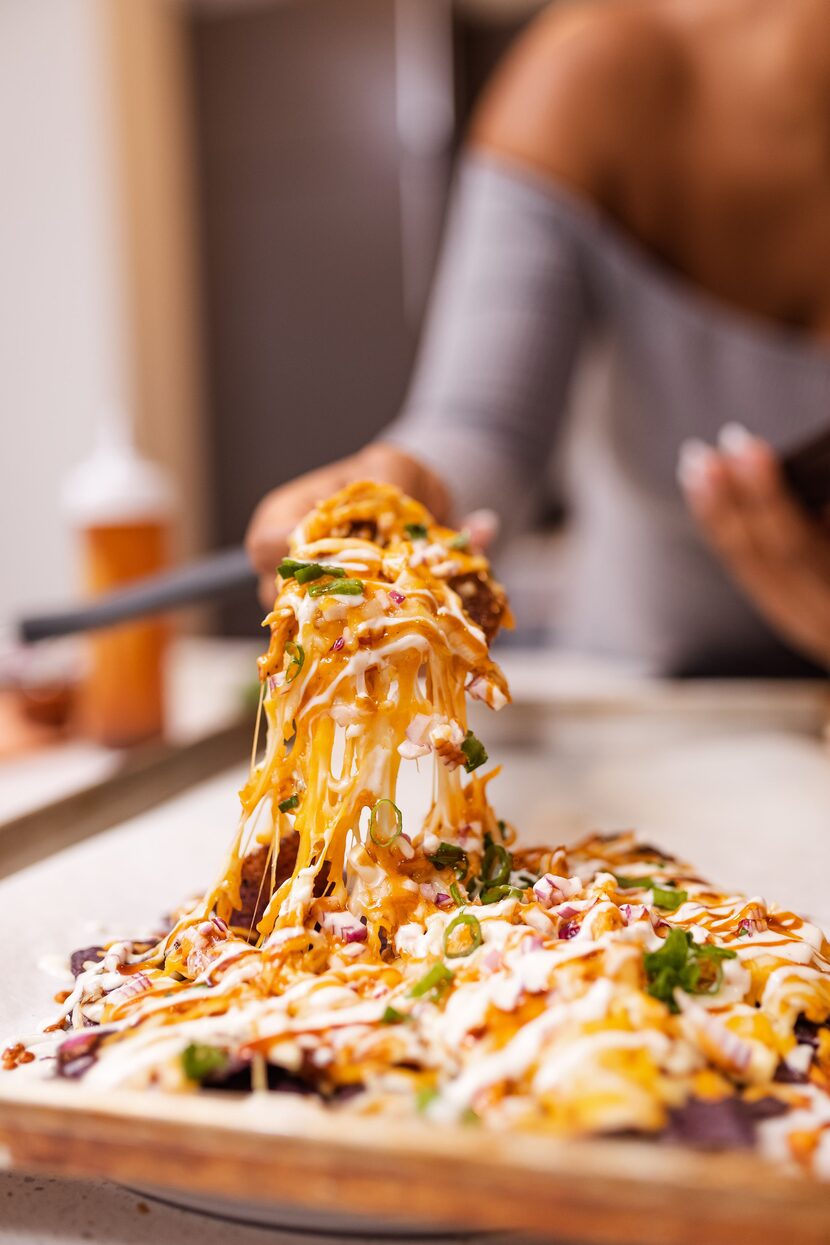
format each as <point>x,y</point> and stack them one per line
<point>777,552</point>
<point>279,511</point>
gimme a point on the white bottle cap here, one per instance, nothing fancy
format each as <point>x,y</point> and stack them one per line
<point>115,484</point>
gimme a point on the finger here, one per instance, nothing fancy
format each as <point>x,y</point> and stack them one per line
<point>791,592</point>
<point>781,529</point>
<point>707,484</point>
<point>267,591</point>
<point>267,537</point>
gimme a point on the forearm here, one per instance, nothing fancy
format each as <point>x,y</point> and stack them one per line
<point>503,331</point>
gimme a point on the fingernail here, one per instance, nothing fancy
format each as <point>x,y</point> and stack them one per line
<point>733,438</point>
<point>694,462</point>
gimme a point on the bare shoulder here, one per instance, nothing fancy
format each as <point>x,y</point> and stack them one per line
<point>586,93</point>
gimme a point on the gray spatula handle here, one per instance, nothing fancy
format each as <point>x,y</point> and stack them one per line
<point>222,574</point>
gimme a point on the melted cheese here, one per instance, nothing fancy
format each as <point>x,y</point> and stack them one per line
<point>546,1016</point>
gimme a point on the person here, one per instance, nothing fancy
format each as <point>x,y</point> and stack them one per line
<point>644,200</point>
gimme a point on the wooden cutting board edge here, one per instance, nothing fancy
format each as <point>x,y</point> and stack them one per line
<point>591,1192</point>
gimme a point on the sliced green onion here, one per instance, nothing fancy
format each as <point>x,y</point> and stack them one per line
<point>712,956</point>
<point>448,855</point>
<point>425,1097</point>
<point>497,865</point>
<point>376,832</point>
<point>343,587</point>
<point>461,541</point>
<point>467,921</point>
<point>493,894</point>
<point>669,898</point>
<point>200,1060</point>
<point>474,751</point>
<point>304,572</point>
<point>458,898</point>
<point>707,951</point>
<point>392,1016</point>
<point>678,964</point>
<point>416,531</point>
<point>314,570</point>
<point>438,978</point>
<point>296,654</point>
<point>285,806</point>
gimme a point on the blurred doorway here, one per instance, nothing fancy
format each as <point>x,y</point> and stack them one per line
<point>326,131</point>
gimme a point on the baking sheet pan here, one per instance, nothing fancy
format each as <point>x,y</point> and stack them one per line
<point>741,785</point>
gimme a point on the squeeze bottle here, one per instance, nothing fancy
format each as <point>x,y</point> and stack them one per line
<point>121,506</point>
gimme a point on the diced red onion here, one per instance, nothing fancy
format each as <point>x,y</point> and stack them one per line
<point>417,742</point>
<point>76,1055</point>
<point>551,889</point>
<point>482,689</point>
<point>338,644</point>
<point>345,926</point>
<point>442,900</point>
<point>419,728</point>
<point>755,924</point>
<point>80,1043</point>
<point>397,597</point>
<point>634,912</point>
<point>135,984</point>
<point>543,890</point>
<point>569,930</point>
<point>412,752</point>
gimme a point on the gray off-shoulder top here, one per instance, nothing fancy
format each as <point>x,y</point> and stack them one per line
<point>542,309</point>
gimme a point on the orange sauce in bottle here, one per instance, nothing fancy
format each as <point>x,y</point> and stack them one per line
<point>122,698</point>
<point>120,506</point>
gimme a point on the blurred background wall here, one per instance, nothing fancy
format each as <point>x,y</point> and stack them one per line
<point>222,218</point>
<point>62,328</point>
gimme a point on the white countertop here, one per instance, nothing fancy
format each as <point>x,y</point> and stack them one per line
<point>209,677</point>
<point>40,1210</point>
